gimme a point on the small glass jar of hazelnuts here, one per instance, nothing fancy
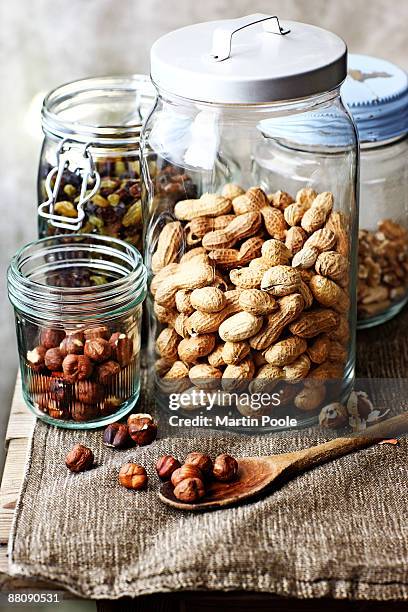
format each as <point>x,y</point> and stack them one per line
<point>78,306</point>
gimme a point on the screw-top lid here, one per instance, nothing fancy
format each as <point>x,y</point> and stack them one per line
<point>376,93</point>
<point>251,60</point>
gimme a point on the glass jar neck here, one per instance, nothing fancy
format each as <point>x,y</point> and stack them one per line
<point>282,107</point>
<point>57,279</point>
<point>372,146</point>
<point>105,111</point>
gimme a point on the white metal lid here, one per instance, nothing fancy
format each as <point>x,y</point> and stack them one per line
<point>251,60</point>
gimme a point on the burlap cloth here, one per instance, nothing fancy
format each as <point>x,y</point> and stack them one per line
<point>340,530</point>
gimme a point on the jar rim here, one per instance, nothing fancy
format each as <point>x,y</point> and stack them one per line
<point>61,304</point>
<point>60,103</point>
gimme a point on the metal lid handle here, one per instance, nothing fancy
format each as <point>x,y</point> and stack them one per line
<point>222,37</point>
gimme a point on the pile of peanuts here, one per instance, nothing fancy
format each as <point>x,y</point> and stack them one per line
<point>251,290</point>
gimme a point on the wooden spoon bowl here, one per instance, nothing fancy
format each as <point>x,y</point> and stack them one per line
<point>257,475</point>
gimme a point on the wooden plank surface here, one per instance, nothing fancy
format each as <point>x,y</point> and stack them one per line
<point>10,486</point>
<point>242,602</point>
<point>19,430</point>
<point>21,421</point>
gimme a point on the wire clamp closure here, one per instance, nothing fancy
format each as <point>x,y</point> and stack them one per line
<point>86,167</point>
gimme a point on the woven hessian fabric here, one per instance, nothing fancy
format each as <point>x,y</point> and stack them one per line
<point>340,530</point>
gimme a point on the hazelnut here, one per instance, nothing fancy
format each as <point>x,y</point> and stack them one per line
<point>142,429</point>
<point>116,435</point>
<point>107,371</point>
<point>80,458</point>
<point>71,345</point>
<point>203,462</point>
<point>35,358</point>
<point>53,359</point>
<point>84,412</point>
<point>122,348</point>
<point>166,465</point>
<point>76,367</point>
<point>51,338</point>
<point>359,405</point>
<point>110,405</point>
<point>89,392</point>
<point>287,393</point>
<point>189,490</point>
<point>40,401</point>
<point>56,413</point>
<point>50,406</point>
<point>225,468</point>
<point>133,476</point>
<point>76,334</point>
<point>101,331</point>
<point>186,471</point>
<point>85,367</point>
<point>144,435</point>
<point>112,341</point>
<point>58,389</point>
<point>333,416</point>
<point>97,349</point>
<point>139,418</point>
<point>39,384</point>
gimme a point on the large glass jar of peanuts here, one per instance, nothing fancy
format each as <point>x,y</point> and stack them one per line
<point>89,174</point>
<point>376,93</point>
<point>78,338</point>
<point>251,281</point>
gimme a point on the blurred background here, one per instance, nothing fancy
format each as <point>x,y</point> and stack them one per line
<point>44,43</point>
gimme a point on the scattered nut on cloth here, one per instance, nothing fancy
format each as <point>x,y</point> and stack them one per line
<point>339,530</point>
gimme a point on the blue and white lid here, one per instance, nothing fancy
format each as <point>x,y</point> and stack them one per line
<point>376,94</point>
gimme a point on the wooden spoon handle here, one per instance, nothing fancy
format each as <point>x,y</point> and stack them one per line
<point>339,447</point>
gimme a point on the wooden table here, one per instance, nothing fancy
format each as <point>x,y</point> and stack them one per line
<point>19,429</point>
<point>18,435</point>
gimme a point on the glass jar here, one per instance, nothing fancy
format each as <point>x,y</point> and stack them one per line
<point>78,307</point>
<point>89,174</point>
<point>376,93</point>
<point>252,284</point>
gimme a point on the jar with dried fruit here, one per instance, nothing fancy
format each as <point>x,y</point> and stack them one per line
<point>89,174</point>
<point>376,93</point>
<point>78,339</point>
<point>251,280</point>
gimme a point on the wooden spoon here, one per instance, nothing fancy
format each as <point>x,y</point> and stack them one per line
<point>257,474</point>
